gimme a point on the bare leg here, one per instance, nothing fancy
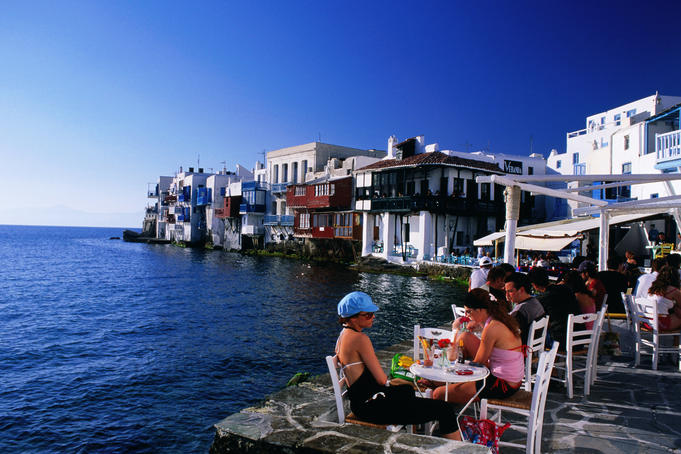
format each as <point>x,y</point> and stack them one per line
<point>459,393</point>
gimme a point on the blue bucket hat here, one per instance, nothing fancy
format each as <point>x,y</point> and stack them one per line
<point>355,302</point>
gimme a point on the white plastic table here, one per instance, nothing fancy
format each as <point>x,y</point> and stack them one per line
<point>448,375</point>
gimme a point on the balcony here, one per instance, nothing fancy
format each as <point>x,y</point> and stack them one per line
<point>245,208</point>
<point>279,188</point>
<point>184,198</point>
<point>283,220</point>
<point>271,219</point>
<point>253,185</point>
<point>183,218</point>
<point>435,204</point>
<point>668,149</point>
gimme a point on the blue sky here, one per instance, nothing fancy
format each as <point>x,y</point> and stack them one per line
<point>98,98</point>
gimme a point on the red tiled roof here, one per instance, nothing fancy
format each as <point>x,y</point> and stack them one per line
<point>433,158</point>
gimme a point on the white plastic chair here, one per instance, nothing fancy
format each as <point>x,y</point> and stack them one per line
<point>575,338</point>
<point>530,405</point>
<point>598,329</point>
<point>458,311</point>
<point>627,301</point>
<point>339,383</point>
<point>645,314</point>
<point>536,337</point>
<point>428,333</point>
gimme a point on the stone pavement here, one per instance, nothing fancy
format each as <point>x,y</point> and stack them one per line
<point>629,410</point>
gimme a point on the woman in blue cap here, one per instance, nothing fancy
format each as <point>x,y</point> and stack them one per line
<point>372,399</point>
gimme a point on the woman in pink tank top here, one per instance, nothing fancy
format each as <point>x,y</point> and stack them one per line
<point>499,348</point>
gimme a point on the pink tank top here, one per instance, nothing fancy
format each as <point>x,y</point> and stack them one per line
<point>508,365</point>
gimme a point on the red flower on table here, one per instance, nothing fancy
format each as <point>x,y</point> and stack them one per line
<point>443,343</point>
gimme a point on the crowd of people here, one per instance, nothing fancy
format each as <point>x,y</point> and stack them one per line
<point>501,305</point>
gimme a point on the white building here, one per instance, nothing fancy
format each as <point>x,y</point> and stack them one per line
<point>623,141</point>
<point>420,202</point>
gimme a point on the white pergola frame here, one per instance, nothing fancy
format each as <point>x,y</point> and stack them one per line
<point>523,182</point>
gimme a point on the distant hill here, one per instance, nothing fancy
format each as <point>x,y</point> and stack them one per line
<point>61,215</point>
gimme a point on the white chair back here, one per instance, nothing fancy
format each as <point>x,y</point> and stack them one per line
<point>645,315</point>
<point>339,384</point>
<point>593,350</point>
<point>428,333</point>
<point>627,301</point>
<point>578,335</point>
<point>458,311</point>
<point>536,338</point>
<point>541,389</point>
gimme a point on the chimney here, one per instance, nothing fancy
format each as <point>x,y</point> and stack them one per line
<point>392,140</point>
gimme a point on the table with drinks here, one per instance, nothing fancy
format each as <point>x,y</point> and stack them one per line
<point>442,370</point>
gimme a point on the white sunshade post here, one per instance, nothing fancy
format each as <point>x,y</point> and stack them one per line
<point>512,194</point>
<point>603,240</point>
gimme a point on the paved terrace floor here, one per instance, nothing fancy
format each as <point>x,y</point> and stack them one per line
<point>629,410</point>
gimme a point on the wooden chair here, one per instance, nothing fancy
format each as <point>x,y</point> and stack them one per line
<point>581,338</point>
<point>339,383</point>
<point>536,338</point>
<point>648,333</point>
<point>434,334</point>
<point>530,405</point>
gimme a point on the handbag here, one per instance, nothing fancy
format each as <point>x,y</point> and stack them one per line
<point>482,432</point>
<point>400,367</point>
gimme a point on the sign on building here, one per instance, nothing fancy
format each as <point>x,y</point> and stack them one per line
<point>515,167</point>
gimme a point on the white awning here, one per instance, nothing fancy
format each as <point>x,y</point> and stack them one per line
<point>550,236</point>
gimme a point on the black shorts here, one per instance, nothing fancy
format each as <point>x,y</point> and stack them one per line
<point>495,388</point>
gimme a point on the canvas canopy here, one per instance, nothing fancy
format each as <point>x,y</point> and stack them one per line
<point>554,236</point>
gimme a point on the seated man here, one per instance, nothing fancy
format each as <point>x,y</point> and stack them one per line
<point>526,308</point>
<point>495,286</point>
<point>479,276</point>
<point>558,301</point>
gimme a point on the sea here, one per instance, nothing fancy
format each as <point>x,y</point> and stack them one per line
<point>107,346</point>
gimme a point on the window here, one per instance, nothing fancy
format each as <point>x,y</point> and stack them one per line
<point>304,169</point>
<point>300,191</point>
<point>411,187</point>
<point>575,158</point>
<point>604,142</point>
<point>530,170</point>
<point>618,119</point>
<point>458,187</point>
<point>485,191</point>
<point>654,196</point>
<point>343,225</point>
<point>223,191</point>
<point>558,164</point>
<point>405,229</point>
<point>626,168</point>
<point>471,189</point>
<point>602,123</point>
<point>626,142</point>
<point>294,173</point>
<point>324,189</point>
<point>275,174</point>
<point>424,187</point>
<point>631,113</point>
<point>304,221</point>
<point>284,173</point>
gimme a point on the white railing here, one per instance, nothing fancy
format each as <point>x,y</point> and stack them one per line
<point>581,132</point>
<point>668,146</point>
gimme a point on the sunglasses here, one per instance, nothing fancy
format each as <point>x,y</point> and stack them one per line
<point>367,314</point>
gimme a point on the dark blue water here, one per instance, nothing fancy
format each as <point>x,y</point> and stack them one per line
<point>108,346</point>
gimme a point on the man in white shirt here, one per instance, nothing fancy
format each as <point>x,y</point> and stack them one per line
<point>479,276</point>
<point>646,280</point>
